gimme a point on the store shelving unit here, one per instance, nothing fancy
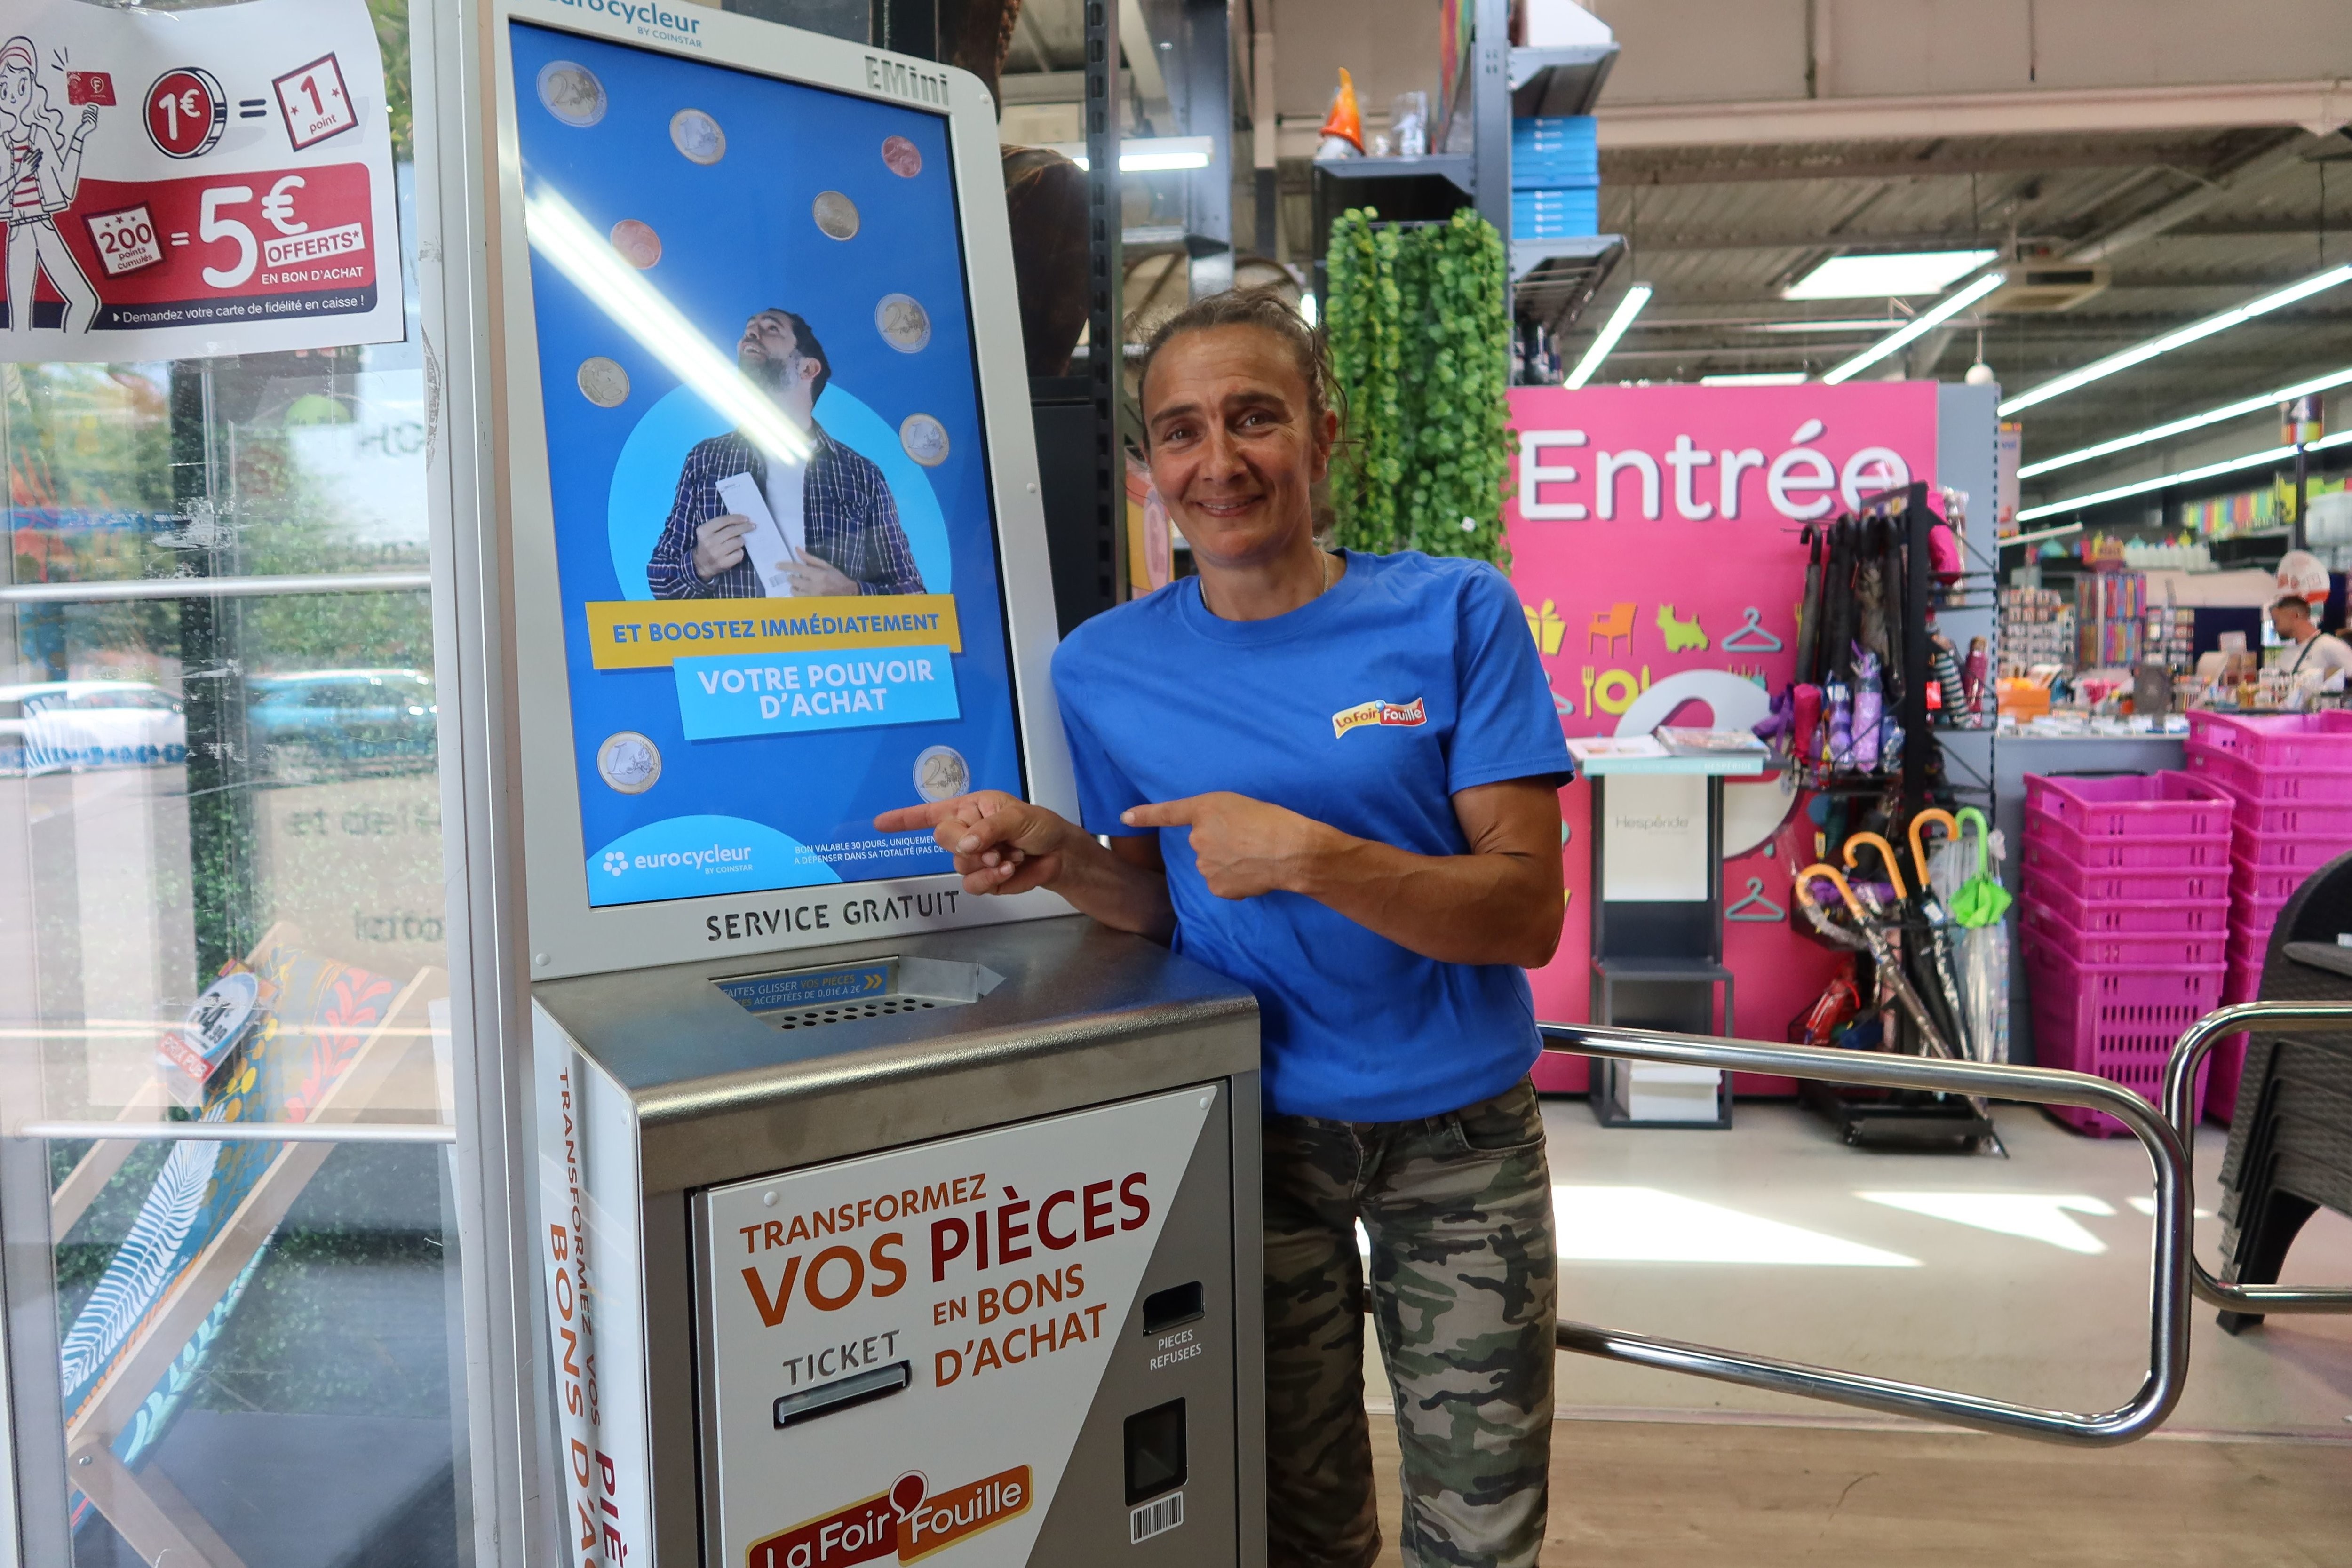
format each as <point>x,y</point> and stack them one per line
<point>1552,281</point>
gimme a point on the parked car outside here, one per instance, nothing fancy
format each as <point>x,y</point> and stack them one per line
<point>375,718</point>
<point>58,726</point>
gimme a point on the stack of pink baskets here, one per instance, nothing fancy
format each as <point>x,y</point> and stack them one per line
<point>2290,778</point>
<point>2123,923</point>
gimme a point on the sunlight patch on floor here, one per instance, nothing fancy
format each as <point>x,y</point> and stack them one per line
<point>1643,1225</point>
<point>2036,1217</point>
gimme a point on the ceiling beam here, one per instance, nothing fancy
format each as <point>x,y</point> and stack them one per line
<point>2170,214</point>
<point>1826,164</point>
<point>2319,106</point>
<point>1959,239</point>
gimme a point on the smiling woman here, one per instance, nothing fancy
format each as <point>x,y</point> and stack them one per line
<point>1332,777</point>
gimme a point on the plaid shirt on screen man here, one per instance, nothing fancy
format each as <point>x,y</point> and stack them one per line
<point>851,521</point>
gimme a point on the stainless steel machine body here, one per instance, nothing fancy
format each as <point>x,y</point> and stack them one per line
<point>953,1242</point>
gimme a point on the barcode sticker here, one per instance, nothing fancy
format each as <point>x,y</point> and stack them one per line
<point>1155,1518</point>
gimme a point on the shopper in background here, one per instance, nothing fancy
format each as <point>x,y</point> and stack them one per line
<point>2315,652</point>
<point>1333,777</point>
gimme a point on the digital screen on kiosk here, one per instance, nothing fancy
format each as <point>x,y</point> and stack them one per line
<point>738,723</point>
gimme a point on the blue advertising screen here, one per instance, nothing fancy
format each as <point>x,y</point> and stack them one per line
<point>774,531</point>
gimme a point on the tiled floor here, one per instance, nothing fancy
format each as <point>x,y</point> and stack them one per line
<point>2026,1278</point>
<point>1666,1495</point>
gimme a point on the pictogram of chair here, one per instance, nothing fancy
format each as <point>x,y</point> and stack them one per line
<point>1617,622</point>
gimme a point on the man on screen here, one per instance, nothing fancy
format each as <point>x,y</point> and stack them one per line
<point>836,510</point>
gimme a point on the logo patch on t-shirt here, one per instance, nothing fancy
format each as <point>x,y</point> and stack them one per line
<point>1403,713</point>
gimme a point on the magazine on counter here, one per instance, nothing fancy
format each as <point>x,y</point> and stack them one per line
<point>1585,748</point>
<point>1687,742</point>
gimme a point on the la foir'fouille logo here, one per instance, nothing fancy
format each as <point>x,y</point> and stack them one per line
<point>1403,714</point>
<point>909,1522</point>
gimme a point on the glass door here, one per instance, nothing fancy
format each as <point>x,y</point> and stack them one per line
<point>231,1078</point>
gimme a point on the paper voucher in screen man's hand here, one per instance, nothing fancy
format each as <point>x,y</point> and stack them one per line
<point>765,546</point>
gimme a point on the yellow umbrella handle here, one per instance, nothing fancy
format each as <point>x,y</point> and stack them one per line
<point>1919,826</point>
<point>1885,852</point>
<point>1837,880</point>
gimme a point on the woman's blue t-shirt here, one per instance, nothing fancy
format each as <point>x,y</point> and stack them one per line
<point>1369,708</point>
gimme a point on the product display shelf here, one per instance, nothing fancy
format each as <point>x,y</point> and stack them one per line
<point>2112,979</point>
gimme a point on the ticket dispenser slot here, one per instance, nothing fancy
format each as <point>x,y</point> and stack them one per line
<point>810,997</point>
<point>1155,1451</point>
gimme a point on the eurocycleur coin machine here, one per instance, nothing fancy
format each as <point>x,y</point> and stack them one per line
<point>880,1223</point>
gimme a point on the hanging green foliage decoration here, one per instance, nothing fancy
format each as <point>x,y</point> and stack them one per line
<point>1420,345</point>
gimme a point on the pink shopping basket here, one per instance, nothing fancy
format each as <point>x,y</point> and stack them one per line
<point>2251,919</point>
<point>2117,1023</point>
<point>2125,917</point>
<point>2265,882</point>
<point>2287,850</point>
<point>2333,823</point>
<point>2277,740</point>
<point>2167,805</point>
<point>2227,1062</point>
<point>2143,852</point>
<point>2316,784</point>
<point>2042,926</point>
<point>2139,885</point>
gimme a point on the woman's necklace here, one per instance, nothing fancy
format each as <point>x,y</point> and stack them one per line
<point>1326,588</point>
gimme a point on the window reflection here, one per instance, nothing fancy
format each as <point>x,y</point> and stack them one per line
<point>257,1342</point>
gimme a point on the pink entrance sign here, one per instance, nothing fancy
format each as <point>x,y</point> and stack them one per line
<point>1657,546</point>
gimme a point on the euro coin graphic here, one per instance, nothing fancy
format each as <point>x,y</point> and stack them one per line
<point>905,158</point>
<point>925,439</point>
<point>571,93</point>
<point>904,324</point>
<point>835,214</point>
<point>639,246</point>
<point>628,762</point>
<point>698,136</point>
<point>603,382</point>
<point>942,773</point>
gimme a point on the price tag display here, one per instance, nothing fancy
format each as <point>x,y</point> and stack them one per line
<point>314,101</point>
<point>126,240</point>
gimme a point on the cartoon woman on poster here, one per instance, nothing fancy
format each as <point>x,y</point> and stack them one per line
<point>43,174</point>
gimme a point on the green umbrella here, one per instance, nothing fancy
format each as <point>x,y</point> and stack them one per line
<point>1980,900</point>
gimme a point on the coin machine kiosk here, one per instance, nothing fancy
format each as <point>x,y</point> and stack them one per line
<point>878,1222</point>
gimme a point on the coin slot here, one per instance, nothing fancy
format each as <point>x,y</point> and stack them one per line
<point>1155,1451</point>
<point>849,994</point>
<point>1179,1304</point>
<point>843,1393</point>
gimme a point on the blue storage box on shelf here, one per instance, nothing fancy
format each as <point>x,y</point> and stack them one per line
<point>1549,153</point>
<point>1553,214</point>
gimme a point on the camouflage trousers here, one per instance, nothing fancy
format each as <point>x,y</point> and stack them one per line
<point>1458,1208</point>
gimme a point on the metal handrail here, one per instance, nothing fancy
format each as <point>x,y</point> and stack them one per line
<point>2180,1076</point>
<point>244,1131</point>
<point>119,589</point>
<point>2168,1298</point>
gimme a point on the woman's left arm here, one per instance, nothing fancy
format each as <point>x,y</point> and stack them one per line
<point>1500,903</point>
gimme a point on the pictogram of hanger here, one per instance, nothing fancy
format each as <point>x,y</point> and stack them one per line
<point>1755,907</point>
<point>1751,636</point>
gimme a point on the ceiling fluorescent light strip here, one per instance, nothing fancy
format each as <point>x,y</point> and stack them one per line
<point>1880,275</point>
<point>2185,477</point>
<point>1149,155</point>
<point>1927,321</point>
<point>589,261</point>
<point>2140,354</point>
<point>1618,320</point>
<point>2244,406</point>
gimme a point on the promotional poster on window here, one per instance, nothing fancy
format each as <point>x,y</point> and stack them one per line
<point>774,524</point>
<point>198,182</point>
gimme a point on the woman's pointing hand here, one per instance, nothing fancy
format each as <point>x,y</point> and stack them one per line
<point>1244,847</point>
